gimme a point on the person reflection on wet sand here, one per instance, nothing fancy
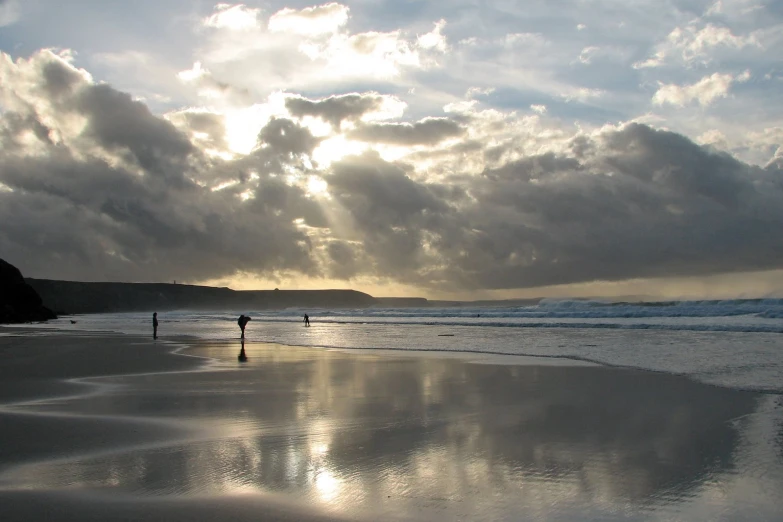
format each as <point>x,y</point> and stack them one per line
<point>242,357</point>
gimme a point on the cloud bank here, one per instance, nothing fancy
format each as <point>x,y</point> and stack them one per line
<point>96,186</point>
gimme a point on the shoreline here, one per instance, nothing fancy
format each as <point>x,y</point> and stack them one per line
<point>186,344</point>
<point>748,361</point>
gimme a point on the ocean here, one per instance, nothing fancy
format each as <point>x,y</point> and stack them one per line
<point>730,343</point>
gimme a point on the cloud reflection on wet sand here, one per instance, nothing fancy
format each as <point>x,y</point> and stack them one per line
<point>421,436</point>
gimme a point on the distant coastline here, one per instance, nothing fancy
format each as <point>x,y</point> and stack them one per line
<point>76,297</point>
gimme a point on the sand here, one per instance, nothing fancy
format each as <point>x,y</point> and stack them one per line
<point>120,428</point>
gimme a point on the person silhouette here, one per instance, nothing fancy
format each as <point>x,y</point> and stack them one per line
<point>242,357</point>
<point>242,322</point>
<point>306,320</point>
<point>155,325</point>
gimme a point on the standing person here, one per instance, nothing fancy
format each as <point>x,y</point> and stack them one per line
<point>306,320</point>
<point>155,325</point>
<point>242,322</point>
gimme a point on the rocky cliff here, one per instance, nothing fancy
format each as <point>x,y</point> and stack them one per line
<point>19,302</point>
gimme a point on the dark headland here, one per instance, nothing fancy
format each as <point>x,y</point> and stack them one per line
<point>19,302</point>
<point>74,297</point>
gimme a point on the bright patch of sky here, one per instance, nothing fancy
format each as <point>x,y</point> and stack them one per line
<point>592,63</point>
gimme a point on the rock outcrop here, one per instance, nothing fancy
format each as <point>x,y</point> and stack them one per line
<point>19,302</point>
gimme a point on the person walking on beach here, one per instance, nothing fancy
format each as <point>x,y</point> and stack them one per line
<point>306,320</point>
<point>242,322</point>
<point>155,325</point>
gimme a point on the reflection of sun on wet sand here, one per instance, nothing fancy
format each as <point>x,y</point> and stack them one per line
<point>302,433</point>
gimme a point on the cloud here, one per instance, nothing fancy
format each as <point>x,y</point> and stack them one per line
<point>390,211</point>
<point>370,54</point>
<point>705,91</point>
<point>346,107</point>
<point>327,18</point>
<point>233,17</point>
<point>243,57</point>
<point>434,39</point>
<point>692,44</point>
<point>204,128</point>
<point>80,156</point>
<point>579,218</point>
<point>540,109</point>
<point>475,92</point>
<point>207,86</point>
<point>624,203</point>
<point>588,53</point>
<point>344,259</point>
<point>287,137</point>
<point>426,132</point>
<point>581,94</point>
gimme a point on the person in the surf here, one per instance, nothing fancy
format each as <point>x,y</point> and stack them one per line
<point>154,325</point>
<point>306,320</point>
<point>242,322</point>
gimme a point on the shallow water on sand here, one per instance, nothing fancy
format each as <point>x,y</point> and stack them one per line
<point>415,437</point>
<point>738,359</point>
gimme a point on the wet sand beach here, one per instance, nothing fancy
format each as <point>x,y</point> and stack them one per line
<point>315,434</point>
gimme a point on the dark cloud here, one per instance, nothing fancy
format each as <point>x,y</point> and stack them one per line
<point>117,122</point>
<point>637,202</point>
<point>343,260</point>
<point>428,131</point>
<point>391,211</point>
<point>121,197</point>
<point>60,80</point>
<point>643,203</point>
<point>335,109</point>
<point>379,194</point>
<point>287,138</point>
<point>283,148</point>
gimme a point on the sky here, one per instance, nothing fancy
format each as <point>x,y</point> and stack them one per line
<point>450,150</point>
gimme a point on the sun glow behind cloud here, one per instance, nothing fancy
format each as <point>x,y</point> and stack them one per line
<point>317,186</point>
<point>336,148</point>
